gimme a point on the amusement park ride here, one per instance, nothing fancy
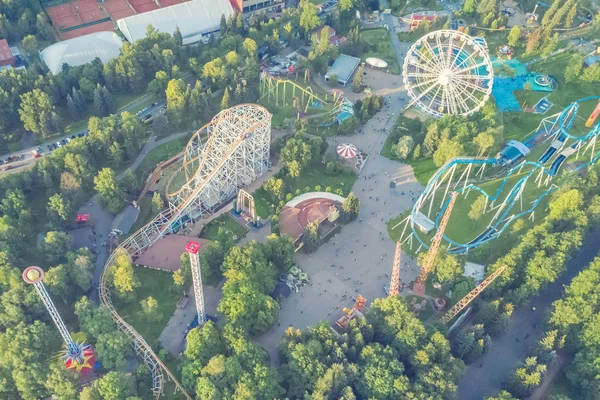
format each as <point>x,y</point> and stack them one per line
<point>77,356</point>
<point>230,152</point>
<point>350,313</point>
<point>192,248</point>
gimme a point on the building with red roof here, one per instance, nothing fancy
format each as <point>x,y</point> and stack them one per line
<point>6,56</point>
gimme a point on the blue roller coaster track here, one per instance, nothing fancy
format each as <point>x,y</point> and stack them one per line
<point>556,127</point>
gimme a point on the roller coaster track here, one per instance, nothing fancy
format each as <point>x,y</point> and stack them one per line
<point>232,135</point>
<point>556,127</point>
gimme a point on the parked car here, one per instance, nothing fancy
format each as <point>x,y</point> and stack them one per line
<point>58,144</point>
<point>80,134</point>
<point>1,161</point>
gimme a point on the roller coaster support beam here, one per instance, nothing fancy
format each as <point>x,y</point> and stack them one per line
<point>435,244</point>
<point>465,301</point>
<point>395,280</point>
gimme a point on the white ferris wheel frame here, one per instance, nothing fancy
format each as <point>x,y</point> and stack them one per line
<point>443,83</point>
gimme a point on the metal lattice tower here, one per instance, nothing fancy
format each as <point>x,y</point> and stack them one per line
<point>395,280</point>
<point>228,153</point>
<point>192,248</point>
<point>435,243</point>
<point>34,276</point>
<point>465,301</point>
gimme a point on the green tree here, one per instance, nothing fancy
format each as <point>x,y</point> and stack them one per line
<point>115,386</point>
<point>533,41</point>
<point>447,266</point>
<point>107,186</point>
<point>469,6</point>
<point>177,100</point>
<point>150,308</point>
<point>403,148</point>
<point>358,81</point>
<point>447,150</point>
<point>157,203</point>
<point>55,246</point>
<point>574,68</point>
<point>159,84</point>
<point>478,208</point>
<point>472,343</point>
<point>57,280</point>
<point>123,274</point>
<point>311,237</point>
<point>250,47</point>
<point>550,45</point>
<point>526,377</point>
<point>59,210</point>
<point>350,207</point>
<point>81,270</point>
<point>160,126</point>
<point>184,274</point>
<point>514,37</point>
<point>104,103</point>
<point>485,140</point>
<point>502,395</point>
<point>345,5</point>
<point>30,45</point>
<point>215,70</point>
<point>225,99</point>
<point>37,113</point>
<point>309,19</point>
<point>62,383</point>
<point>43,27</point>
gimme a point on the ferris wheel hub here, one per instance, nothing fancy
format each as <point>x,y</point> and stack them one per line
<point>445,77</point>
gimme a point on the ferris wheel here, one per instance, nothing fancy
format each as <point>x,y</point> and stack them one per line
<point>448,72</point>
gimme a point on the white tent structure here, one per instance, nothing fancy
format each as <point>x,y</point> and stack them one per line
<point>194,18</point>
<point>82,50</point>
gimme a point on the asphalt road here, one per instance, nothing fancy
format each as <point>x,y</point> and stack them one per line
<point>506,352</point>
<point>28,158</point>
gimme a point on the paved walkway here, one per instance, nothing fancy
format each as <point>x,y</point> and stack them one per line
<point>358,258</point>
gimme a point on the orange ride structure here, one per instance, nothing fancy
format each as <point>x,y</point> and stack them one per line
<point>395,279</point>
<point>350,313</point>
<point>419,285</point>
<point>77,356</point>
<point>465,301</point>
<point>228,153</point>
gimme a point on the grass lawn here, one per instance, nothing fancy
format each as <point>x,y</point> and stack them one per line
<point>158,285</point>
<point>159,154</point>
<point>225,221</point>
<point>174,181</point>
<point>528,98</point>
<point>262,203</point>
<point>316,175</point>
<point>381,47</point>
<point>145,214</point>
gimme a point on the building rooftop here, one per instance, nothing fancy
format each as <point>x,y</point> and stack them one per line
<point>82,50</point>
<point>344,66</point>
<point>5,53</point>
<point>194,19</point>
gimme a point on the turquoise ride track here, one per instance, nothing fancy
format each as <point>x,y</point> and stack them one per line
<point>522,173</point>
